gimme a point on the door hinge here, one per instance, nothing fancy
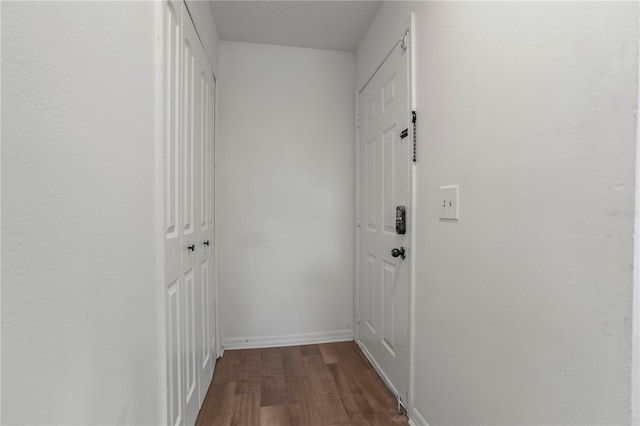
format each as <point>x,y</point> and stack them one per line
<point>403,40</point>
<point>358,120</point>
<point>358,317</point>
<point>413,120</point>
<point>357,219</point>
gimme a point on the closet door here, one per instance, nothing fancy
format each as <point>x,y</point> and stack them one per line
<point>188,215</point>
<point>191,238</point>
<point>203,224</point>
<point>173,225</point>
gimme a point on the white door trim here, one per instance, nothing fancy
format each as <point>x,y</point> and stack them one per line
<point>412,255</point>
<point>159,11</point>
<point>635,365</point>
<point>410,27</point>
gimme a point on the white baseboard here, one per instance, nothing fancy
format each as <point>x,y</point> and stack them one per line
<point>416,419</point>
<point>345,335</point>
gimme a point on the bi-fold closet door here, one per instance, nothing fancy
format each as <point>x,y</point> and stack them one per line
<point>189,93</point>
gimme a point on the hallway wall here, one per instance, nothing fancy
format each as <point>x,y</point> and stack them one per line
<point>523,307</point>
<point>80,336</point>
<point>285,194</point>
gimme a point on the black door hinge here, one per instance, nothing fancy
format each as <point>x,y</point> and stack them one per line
<point>413,120</point>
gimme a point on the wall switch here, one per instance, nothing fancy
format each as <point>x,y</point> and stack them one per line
<point>448,202</point>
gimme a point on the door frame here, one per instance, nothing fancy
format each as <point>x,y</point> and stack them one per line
<point>410,27</point>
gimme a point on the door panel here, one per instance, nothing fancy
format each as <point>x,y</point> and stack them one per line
<point>190,189</point>
<point>388,311</point>
<point>371,293</point>
<point>384,184</point>
<point>174,376</point>
<point>203,244</point>
<point>189,348</point>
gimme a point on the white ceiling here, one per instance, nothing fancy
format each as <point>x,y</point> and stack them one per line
<point>332,25</point>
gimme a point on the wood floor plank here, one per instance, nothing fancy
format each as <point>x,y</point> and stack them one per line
<point>310,385</point>
<point>246,409</point>
<point>343,384</point>
<point>275,415</point>
<point>358,409</point>
<point>273,391</point>
<point>218,406</point>
<point>271,362</point>
<point>312,362</point>
<point>292,363</point>
<point>227,367</point>
<point>331,353</point>
<point>249,372</point>
<point>310,350</point>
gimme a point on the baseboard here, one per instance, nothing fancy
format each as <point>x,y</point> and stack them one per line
<point>287,340</point>
<point>416,419</point>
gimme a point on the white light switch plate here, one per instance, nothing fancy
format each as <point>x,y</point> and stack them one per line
<point>449,202</point>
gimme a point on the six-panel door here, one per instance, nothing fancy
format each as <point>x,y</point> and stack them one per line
<point>385,160</point>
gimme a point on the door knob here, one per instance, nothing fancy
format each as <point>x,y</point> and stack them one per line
<point>398,252</point>
<point>206,243</point>
<point>192,247</point>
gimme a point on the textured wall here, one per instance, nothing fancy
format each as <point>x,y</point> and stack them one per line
<point>523,307</point>
<point>285,182</point>
<point>79,326</point>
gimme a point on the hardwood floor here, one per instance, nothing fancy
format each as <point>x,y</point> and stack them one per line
<point>327,384</point>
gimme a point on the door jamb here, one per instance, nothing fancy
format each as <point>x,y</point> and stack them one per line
<point>411,49</point>
<point>160,16</point>
<point>635,339</point>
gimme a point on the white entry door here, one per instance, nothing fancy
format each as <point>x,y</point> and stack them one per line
<point>385,155</point>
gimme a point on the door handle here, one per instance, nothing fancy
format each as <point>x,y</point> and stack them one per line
<point>206,243</point>
<point>398,252</point>
<point>192,247</point>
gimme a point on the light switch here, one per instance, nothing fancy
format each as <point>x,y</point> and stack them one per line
<point>448,202</point>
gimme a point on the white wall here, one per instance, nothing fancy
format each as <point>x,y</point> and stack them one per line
<point>206,27</point>
<point>524,306</point>
<point>80,340</point>
<point>285,183</point>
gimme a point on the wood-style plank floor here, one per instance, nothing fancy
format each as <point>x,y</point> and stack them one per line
<point>312,385</point>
